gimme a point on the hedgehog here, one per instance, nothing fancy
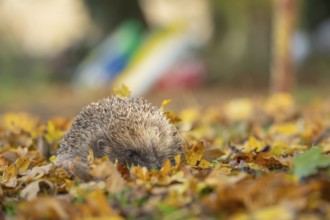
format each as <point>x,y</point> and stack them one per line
<point>128,130</point>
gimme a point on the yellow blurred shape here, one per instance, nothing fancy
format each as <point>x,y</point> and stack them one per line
<point>284,128</point>
<point>280,106</point>
<point>16,122</point>
<point>270,213</point>
<point>239,109</point>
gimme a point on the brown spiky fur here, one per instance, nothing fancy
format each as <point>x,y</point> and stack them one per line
<point>129,130</point>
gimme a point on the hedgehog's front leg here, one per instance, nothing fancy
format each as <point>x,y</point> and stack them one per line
<point>76,168</point>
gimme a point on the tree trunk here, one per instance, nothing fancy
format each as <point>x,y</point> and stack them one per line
<point>282,72</point>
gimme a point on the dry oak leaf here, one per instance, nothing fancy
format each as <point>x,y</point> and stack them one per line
<point>99,205</point>
<point>42,208</point>
<point>194,153</point>
<point>36,172</point>
<point>108,171</point>
<point>9,178</point>
<point>32,189</point>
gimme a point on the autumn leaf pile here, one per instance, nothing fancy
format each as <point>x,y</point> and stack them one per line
<point>245,159</point>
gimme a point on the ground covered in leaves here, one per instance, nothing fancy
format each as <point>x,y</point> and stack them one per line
<point>245,159</point>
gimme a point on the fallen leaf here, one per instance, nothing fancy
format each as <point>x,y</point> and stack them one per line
<point>204,164</point>
<point>53,134</point>
<point>195,153</point>
<point>165,103</point>
<point>36,172</point>
<point>308,163</point>
<point>172,117</point>
<point>9,176</point>
<point>22,164</point>
<point>122,92</point>
<point>32,189</point>
<point>108,172</point>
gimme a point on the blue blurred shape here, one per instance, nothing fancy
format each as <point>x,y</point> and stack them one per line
<point>110,58</point>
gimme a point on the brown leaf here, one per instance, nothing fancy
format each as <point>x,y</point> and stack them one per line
<point>43,208</point>
<point>32,189</point>
<point>108,172</point>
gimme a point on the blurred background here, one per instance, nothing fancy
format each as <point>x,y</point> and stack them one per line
<point>58,55</point>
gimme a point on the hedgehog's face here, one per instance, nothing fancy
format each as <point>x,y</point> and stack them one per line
<point>148,146</point>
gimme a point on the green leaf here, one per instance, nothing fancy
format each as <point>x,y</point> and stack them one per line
<point>10,209</point>
<point>307,164</point>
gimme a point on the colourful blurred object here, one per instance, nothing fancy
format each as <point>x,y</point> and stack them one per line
<point>163,49</point>
<point>189,73</point>
<point>110,58</point>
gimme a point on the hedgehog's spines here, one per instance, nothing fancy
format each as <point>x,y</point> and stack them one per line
<point>125,124</point>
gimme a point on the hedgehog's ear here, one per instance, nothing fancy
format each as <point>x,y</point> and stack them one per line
<point>102,144</point>
<point>155,129</point>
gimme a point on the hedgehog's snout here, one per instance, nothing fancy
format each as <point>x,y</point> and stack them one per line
<point>151,162</point>
<point>156,165</point>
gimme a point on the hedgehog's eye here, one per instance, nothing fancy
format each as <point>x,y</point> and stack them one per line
<point>130,153</point>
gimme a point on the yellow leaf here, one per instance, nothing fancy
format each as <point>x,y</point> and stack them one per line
<point>22,164</point>
<point>177,159</point>
<point>204,164</point>
<point>3,163</point>
<point>225,170</point>
<point>122,92</point>
<point>140,172</point>
<point>279,148</point>
<point>165,103</point>
<point>195,153</point>
<point>52,159</point>
<point>9,172</point>
<point>9,176</point>
<point>53,134</point>
<point>172,117</point>
<point>97,201</point>
<point>253,144</point>
<point>166,168</point>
